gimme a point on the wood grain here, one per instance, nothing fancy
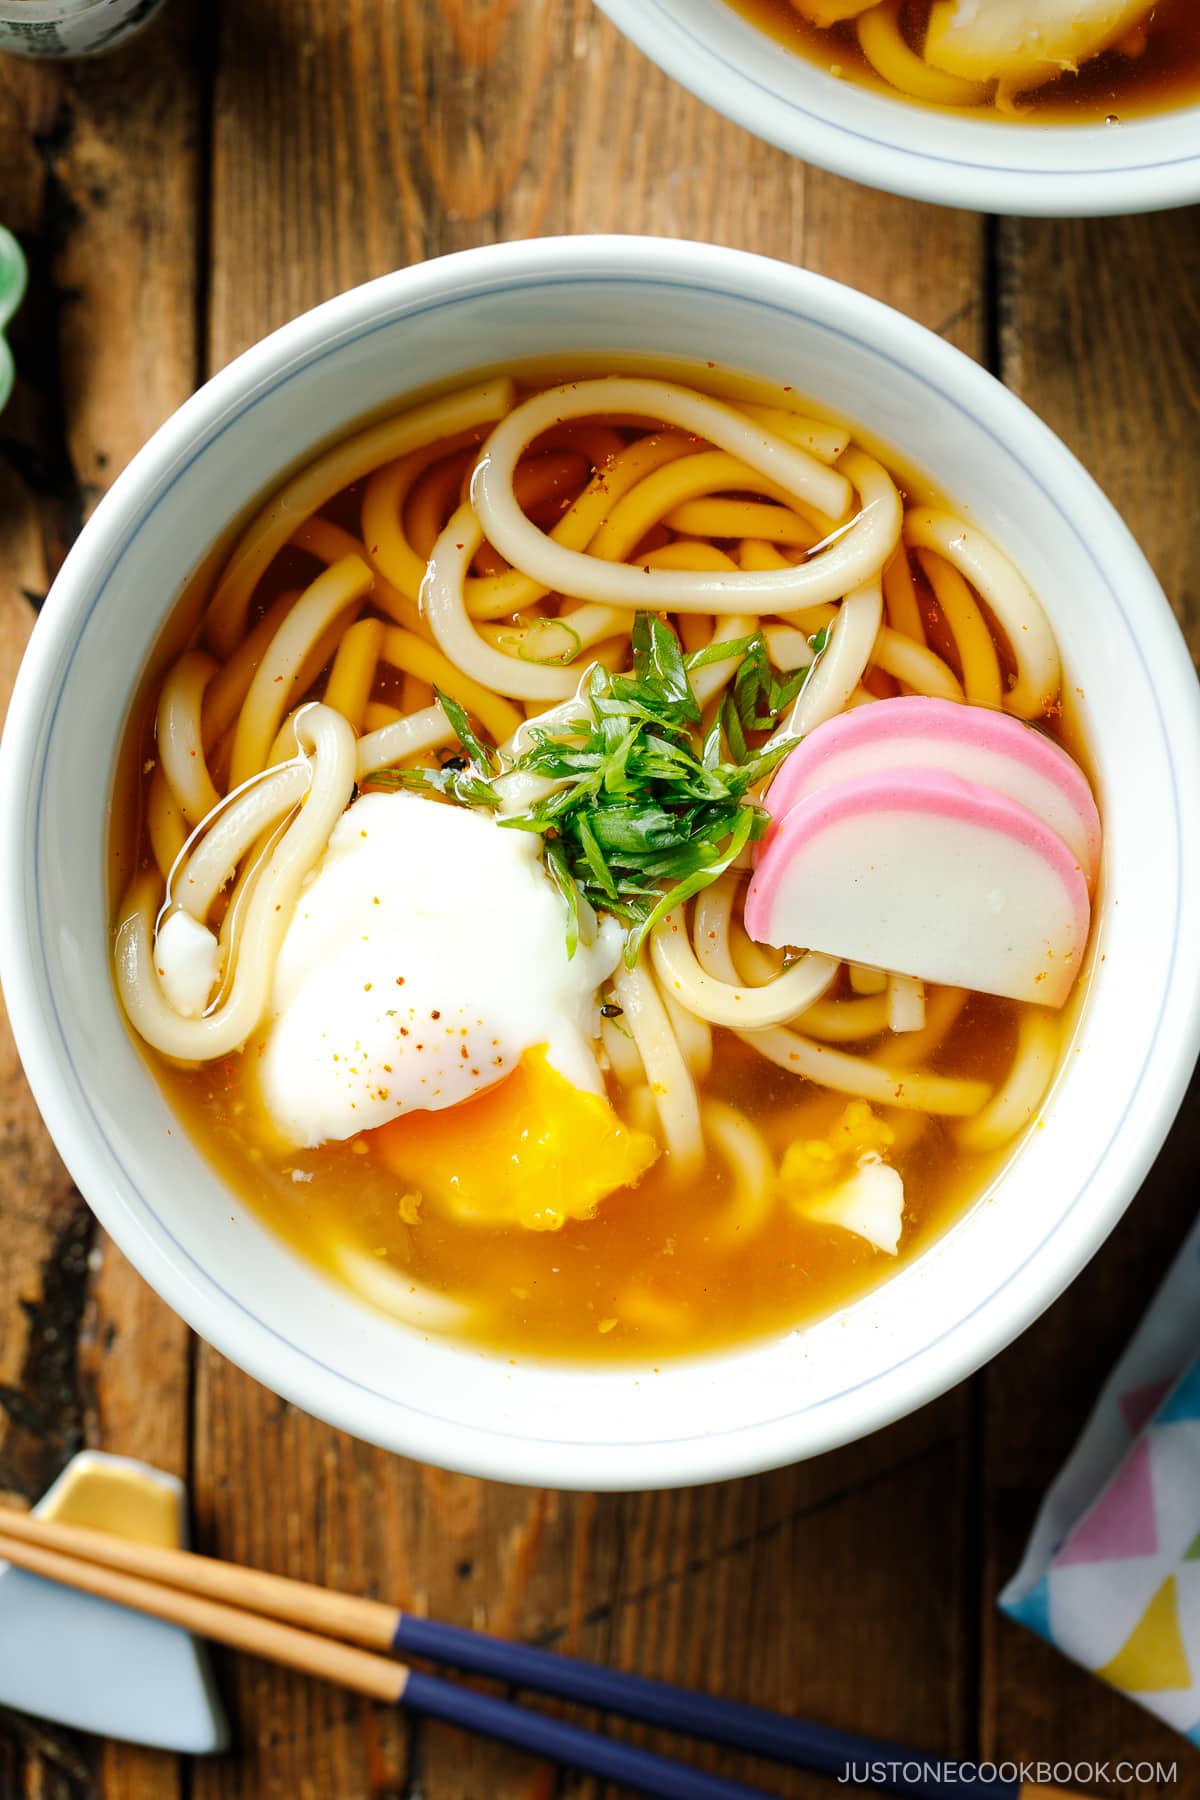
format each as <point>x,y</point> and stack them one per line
<point>100,176</point>
<point>472,122</point>
<point>1100,333</point>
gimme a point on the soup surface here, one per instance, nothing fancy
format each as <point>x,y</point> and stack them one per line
<point>655,1182</point>
<point>1154,68</point>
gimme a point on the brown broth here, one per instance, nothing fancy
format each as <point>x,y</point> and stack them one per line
<point>653,1274</point>
<point>1109,88</point>
<point>653,1258</point>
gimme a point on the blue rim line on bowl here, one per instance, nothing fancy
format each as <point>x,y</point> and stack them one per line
<point>960,181</point>
<point>217,418</point>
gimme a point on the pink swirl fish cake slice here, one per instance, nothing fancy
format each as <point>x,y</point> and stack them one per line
<point>924,874</point>
<point>978,745</point>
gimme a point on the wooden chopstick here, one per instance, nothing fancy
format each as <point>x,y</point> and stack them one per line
<point>298,1624</point>
<point>380,1627</point>
<point>344,1664</point>
<point>377,1676</point>
<point>315,1609</point>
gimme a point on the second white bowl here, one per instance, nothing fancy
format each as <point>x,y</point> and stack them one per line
<point>987,164</point>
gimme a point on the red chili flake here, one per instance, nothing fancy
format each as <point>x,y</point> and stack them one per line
<point>399,981</point>
<point>435,1014</point>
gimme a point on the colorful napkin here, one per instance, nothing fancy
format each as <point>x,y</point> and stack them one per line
<point>1111,1574</point>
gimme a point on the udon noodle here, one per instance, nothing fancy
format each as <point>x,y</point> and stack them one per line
<point>1070,61</point>
<point>486,556</point>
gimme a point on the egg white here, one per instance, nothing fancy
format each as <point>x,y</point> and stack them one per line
<point>426,953</point>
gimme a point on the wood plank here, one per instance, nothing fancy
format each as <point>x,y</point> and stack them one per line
<point>99,175</point>
<point>1099,333</point>
<point>352,136</point>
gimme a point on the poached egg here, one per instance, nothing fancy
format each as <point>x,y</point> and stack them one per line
<point>425,956</point>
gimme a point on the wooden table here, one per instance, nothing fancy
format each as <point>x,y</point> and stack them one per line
<point>236,165</point>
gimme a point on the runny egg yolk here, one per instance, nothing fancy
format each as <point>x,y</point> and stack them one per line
<point>532,1151</point>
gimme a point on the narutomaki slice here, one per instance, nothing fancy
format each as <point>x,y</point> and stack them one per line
<point>928,875</point>
<point>976,744</point>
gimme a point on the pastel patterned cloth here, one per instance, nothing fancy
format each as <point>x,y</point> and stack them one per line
<point>1111,1574</point>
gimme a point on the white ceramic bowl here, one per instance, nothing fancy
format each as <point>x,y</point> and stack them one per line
<point>196,1242</point>
<point>991,165</point>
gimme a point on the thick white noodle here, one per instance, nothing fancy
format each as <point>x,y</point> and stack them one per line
<point>906,1003</point>
<point>916,665</point>
<point>268,913</point>
<point>865,1079</point>
<point>307,492</point>
<point>841,665</point>
<point>587,625</point>
<point>799,1055</point>
<point>865,980</point>
<point>179,738</point>
<point>708,681</point>
<point>749,1160</point>
<point>395,1292</point>
<point>237,821</point>
<point>855,551</point>
<point>622,1053</point>
<point>666,1069</point>
<point>427,729</point>
<point>829,1021</point>
<point>444,605</point>
<point>1010,599</point>
<point>341,586</point>
<point>693,1034</point>
<point>728,1003</point>
<point>943,1006</point>
<point>788,648</point>
<point>518,791</point>
<point>1023,1089</point>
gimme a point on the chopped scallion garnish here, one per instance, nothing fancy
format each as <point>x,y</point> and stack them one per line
<point>644,812</point>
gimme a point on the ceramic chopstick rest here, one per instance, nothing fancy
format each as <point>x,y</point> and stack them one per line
<point>97,1667</point>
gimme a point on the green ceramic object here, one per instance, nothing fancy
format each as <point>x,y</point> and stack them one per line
<point>12,287</point>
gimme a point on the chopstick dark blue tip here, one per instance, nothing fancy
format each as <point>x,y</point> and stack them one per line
<point>635,1768</point>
